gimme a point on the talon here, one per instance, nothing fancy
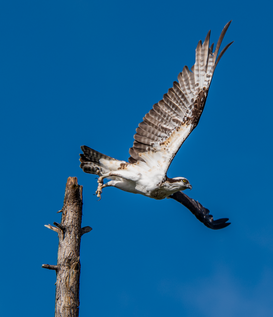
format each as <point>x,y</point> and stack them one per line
<point>100,185</point>
<point>99,191</point>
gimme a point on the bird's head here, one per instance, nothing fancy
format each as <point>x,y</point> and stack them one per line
<point>178,183</point>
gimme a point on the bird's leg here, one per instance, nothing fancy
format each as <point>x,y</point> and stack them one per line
<point>100,185</point>
<point>121,174</point>
<point>99,191</point>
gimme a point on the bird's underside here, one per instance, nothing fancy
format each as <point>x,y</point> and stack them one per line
<point>161,134</point>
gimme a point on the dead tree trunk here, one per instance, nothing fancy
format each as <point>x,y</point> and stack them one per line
<point>68,263</point>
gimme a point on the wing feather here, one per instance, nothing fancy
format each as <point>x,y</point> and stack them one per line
<point>204,59</point>
<point>197,64</point>
<point>151,129</point>
<point>161,117</point>
<point>141,147</point>
<point>185,83</point>
<point>134,155</point>
<point>191,78</point>
<point>167,110</point>
<point>149,119</point>
<point>221,37</point>
<point>180,94</point>
<point>222,53</point>
<point>144,140</point>
<point>170,122</point>
<point>148,135</point>
<point>174,98</point>
<point>177,110</point>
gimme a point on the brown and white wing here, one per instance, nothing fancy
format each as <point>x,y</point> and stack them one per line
<point>172,119</point>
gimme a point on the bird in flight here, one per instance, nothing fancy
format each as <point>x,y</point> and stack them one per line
<point>159,137</point>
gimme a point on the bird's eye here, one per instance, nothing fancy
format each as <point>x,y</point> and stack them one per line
<point>185,181</point>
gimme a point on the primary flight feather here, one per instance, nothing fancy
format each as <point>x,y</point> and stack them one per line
<point>160,135</point>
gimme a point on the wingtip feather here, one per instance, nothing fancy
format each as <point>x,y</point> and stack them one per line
<point>222,53</point>
<point>221,39</point>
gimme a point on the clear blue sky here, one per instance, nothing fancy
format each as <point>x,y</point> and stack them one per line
<point>86,72</point>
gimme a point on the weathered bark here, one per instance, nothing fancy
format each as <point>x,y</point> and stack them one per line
<point>68,263</point>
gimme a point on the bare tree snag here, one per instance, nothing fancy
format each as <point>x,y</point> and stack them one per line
<point>68,264</point>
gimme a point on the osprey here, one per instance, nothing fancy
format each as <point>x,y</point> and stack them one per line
<point>160,135</point>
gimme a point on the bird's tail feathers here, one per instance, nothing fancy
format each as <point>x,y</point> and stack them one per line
<point>90,161</point>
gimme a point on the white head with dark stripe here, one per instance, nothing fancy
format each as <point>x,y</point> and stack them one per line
<point>177,183</point>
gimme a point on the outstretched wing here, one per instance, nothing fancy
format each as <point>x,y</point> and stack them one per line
<point>169,123</point>
<point>200,212</point>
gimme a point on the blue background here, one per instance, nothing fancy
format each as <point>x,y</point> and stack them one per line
<point>86,72</point>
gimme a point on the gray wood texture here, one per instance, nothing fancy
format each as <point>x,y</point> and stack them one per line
<point>68,264</point>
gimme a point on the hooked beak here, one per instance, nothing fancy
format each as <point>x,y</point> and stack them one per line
<point>190,187</point>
